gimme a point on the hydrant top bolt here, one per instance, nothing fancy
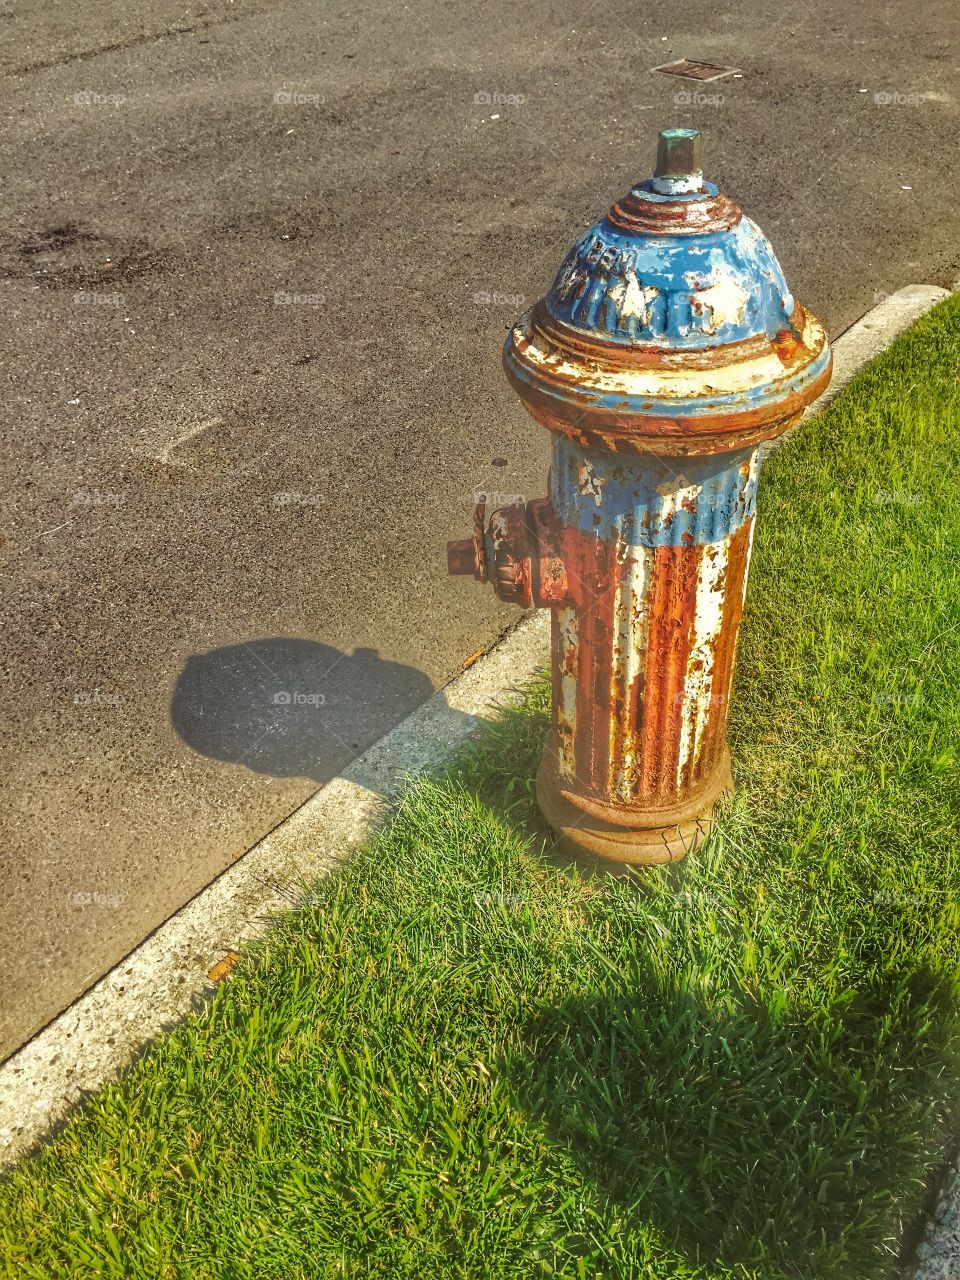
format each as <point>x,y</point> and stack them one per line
<point>678,168</point>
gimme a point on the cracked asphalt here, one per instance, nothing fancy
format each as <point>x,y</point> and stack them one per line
<point>257,265</point>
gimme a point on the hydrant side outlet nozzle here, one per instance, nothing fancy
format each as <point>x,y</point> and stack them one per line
<point>667,351</point>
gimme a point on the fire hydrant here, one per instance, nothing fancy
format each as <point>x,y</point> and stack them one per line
<point>667,352</point>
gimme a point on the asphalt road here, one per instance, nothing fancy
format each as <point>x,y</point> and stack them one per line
<point>257,265</point>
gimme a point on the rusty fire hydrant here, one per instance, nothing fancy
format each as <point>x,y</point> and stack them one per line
<point>668,350</point>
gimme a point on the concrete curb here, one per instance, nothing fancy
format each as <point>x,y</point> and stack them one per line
<point>159,982</point>
<point>939,1251</point>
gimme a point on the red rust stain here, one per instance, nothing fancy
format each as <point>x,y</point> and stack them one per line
<point>626,696</point>
<point>591,566</point>
<point>788,346</point>
<point>646,717</point>
<point>670,639</point>
<point>558,403</point>
<point>635,212</point>
<point>549,582</point>
<point>514,547</point>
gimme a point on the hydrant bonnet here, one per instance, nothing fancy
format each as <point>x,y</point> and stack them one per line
<point>669,328</point>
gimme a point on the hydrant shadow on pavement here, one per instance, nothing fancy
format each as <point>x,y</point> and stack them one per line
<point>286,707</point>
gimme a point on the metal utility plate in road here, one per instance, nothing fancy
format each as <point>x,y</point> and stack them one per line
<point>689,70</point>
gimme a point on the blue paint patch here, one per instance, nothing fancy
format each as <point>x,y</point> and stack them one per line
<point>688,291</point>
<point>650,501</point>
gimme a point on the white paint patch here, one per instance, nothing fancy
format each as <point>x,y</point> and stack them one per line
<point>570,277</point>
<point>681,185</point>
<point>569,630</point>
<point>673,496</point>
<point>589,483</point>
<point>722,303</point>
<point>765,369</point>
<point>750,469</point>
<point>746,577</point>
<point>631,620</point>
<point>631,298</point>
<point>698,699</point>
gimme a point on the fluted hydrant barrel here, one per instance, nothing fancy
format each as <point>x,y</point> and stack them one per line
<point>668,350</point>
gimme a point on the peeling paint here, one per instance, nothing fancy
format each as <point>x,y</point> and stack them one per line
<point>566,671</point>
<point>756,372</point>
<point>722,303</point>
<point>589,484</point>
<point>699,698</point>
<point>668,351</point>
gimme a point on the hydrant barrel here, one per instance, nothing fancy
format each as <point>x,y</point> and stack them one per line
<point>667,352</point>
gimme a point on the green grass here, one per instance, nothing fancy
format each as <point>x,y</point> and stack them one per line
<point>462,1060</point>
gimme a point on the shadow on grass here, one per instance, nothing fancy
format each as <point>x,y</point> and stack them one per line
<point>753,1134</point>
<point>747,1140</point>
<point>752,1130</point>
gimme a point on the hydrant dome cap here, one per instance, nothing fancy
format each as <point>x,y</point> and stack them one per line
<point>681,291</point>
<point>669,325</point>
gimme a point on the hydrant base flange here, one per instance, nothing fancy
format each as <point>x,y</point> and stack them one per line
<point>669,837</point>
